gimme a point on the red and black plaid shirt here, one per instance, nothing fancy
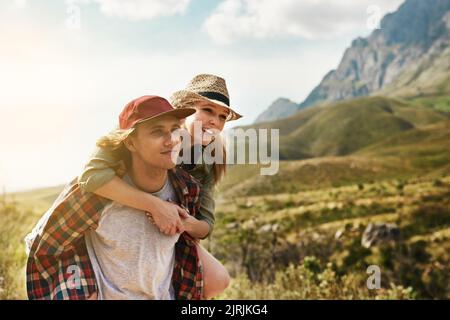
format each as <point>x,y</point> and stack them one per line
<point>58,265</point>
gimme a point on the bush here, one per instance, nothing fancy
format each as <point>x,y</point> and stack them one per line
<point>309,281</point>
<point>412,266</point>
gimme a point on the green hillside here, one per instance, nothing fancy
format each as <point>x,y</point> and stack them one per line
<point>343,128</point>
<point>294,176</point>
<point>424,148</point>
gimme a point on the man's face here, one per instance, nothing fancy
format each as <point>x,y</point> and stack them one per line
<point>154,142</point>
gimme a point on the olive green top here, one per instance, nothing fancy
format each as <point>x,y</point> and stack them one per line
<point>101,167</point>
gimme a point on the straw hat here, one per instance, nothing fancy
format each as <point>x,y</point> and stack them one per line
<point>205,87</point>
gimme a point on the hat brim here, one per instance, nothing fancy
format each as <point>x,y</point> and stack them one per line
<point>186,96</point>
<point>178,113</point>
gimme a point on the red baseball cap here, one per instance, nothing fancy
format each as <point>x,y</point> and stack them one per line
<point>149,107</point>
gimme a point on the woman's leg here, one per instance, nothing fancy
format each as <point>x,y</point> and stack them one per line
<point>215,277</point>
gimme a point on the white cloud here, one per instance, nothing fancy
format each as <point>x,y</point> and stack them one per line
<point>139,9</point>
<point>310,19</point>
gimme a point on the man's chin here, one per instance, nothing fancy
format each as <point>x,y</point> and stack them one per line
<point>169,164</point>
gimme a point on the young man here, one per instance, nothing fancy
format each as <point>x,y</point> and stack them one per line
<point>87,247</point>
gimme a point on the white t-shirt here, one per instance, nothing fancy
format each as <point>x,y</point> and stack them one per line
<point>131,258</point>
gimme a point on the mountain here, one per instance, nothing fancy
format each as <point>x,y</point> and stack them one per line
<point>408,56</point>
<point>279,108</point>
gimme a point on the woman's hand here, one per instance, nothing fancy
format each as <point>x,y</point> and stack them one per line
<point>166,216</point>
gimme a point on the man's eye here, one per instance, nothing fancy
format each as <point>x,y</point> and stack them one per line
<point>223,118</point>
<point>157,132</point>
<point>207,110</point>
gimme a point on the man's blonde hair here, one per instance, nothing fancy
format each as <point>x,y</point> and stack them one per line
<point>114,140</point>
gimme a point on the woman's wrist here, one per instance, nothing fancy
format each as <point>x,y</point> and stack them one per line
<point>188,224</point>
<point>152,203</point>
<point>196,228</point>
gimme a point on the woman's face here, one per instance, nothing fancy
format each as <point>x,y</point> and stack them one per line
<point>210,117</point>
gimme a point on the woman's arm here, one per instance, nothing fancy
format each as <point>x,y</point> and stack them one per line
<point>99,169</point>
<point>100,178</point>
<point>165,214</point>
<point>202,225</point>
<point>197,229</point>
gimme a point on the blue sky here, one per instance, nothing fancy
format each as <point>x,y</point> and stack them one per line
<point>64,80</point>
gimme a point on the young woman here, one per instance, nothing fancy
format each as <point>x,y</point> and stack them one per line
<point>208,94</point>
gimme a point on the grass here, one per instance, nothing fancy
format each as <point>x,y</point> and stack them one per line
<point>16,223</point>
<point>439,103</point>
<point>307,223</point>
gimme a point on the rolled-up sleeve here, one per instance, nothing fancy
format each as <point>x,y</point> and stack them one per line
<point>99,170</point>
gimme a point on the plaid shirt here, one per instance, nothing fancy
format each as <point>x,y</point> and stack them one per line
<point>58,265</point>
